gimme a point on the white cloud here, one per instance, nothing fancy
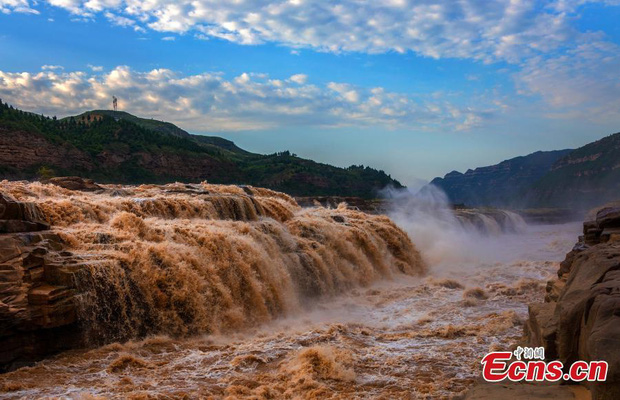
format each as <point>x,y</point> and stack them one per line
<point>52,67</point>
<point>74,6</point>
<point>119,20</point>
<point>572,5</point>
<point>475,29</point>
<point>209,102</point>
<point>581,83</point>
<point>346,91</point>
<point>299,78</point>
<point>169,38</point>
<point>95,68</point>
<point>18,6</point>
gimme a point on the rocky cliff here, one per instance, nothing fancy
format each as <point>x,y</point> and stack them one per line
<point>21,151</point>
<point>566,179</point>
<point>498,185</point>
<point>37,309</point>
<point>580,319</point>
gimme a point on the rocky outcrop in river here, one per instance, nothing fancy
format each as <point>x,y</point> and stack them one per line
<point>580,319</point>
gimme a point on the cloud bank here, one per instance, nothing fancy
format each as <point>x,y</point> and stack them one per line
<point>475,29</point>
<point>582,83</point>
<point>507,30</point>
<point>573,72</point>
<point>209,102</point>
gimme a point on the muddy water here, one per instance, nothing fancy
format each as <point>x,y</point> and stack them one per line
<point>400,337</point>
<point>194,259</point>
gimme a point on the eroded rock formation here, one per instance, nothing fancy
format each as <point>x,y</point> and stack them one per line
<point>580,319</point>
<point>37,311</point>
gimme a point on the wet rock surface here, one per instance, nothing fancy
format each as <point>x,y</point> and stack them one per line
<point>37,310</point>
<point>75,183</point>
<point>19,217</point>
<point>581,317</point>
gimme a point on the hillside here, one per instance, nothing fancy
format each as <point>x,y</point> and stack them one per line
<point>499,185</point>
<point>150,124</point>
<point>159,127</point>
<point>117,147</point>
<point>585,178</point>
<point>574,179</point>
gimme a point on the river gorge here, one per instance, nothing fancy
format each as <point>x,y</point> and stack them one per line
<point>208,291</point>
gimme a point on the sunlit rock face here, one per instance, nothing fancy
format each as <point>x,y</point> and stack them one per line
<point>107,262</point>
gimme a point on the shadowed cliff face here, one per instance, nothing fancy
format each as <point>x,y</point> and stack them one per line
<point>503,184</point>
<point>571,179</point>
<point>186,259</point>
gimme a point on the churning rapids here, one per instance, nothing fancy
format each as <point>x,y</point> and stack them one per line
<point>207,291</point>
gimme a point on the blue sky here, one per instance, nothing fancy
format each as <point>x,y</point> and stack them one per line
<point>417,88</point>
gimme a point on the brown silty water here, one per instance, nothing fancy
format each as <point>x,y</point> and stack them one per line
<point>229,292</point>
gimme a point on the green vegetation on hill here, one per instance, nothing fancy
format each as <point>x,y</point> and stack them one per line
<point>150,124</point>
<point>587,177</point>
<point>117,147</point>
<point>97,135</point>
<point>292,174</point>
